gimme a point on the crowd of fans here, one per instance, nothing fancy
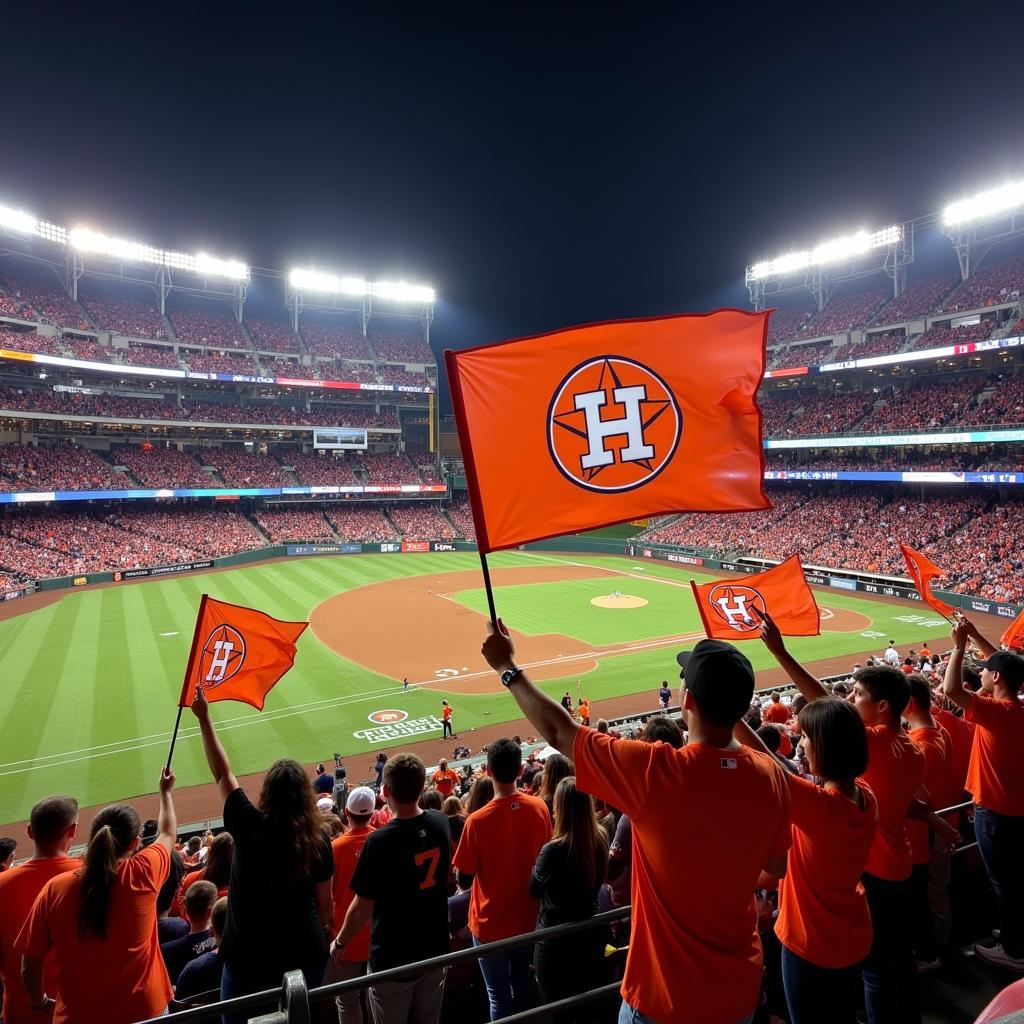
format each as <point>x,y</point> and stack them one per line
<point>325,340</point>
<point>61,467</point>
<point>207,328</point>
<point>811,354</point>
<point>1004,405</point>
<point>813,413</point>
<point>87,348</point>
<point>403,378</point>
<point>843,314</point>
<point>321,469</point>
<point>29,341</point>
<point>343,369</point>
<point>46,303</point>
<point>421,521</point>
<point>292,525</point>
<point>160,466</point>
<point>240,468</point>
<point>919,299</point>
<point>784,324</point>
<point>885,343</point>
<point>943,335</point>
<point>400,347</point>
<point>222,362</point>
<point>924,405</point>
<point>361,523</point>
<point>124,317</point>
<point>272,336</point>
<point>867,460</point>
<point>388,468</point>
<point>989,286</point>
<point>149,355</point>
<point>462,516</point>
<point>13,304</point>
<point>214,532</point>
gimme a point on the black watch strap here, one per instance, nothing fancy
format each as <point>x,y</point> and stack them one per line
<point>509,676</point>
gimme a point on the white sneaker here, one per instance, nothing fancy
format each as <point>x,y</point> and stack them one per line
<point>999,957</point>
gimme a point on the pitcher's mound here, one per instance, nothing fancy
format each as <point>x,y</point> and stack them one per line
<point>618,600</point>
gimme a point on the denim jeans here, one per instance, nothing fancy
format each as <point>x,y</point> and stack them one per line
<point>816,994</point>
<point>507,977</point>
<point>234,983</point>
<point>1001,845</point>
<point>890,974</point>
<point>630,1015</point>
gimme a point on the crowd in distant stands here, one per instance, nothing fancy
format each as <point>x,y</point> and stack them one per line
<point>400,347</point>
<point>272,336</point>
<point>989,286</point>
<point>923,406</point>
<point>29,341</point>
<point>867,460</point>
<point>385,468</point>
<point>13,304</point>
<point>221,362</point>
<point>843,314</point>
<point>149,355</point>
<point>122,316</point>
<point>325,340</point>
<point>942,336</point>
<point>462,516</point>
<point>403,378</point>
<point>288,525</point>
<point>62,467</point>
<point>360,523</point>
<point>159,466</point>
<point>802,355</point>
<point>785,323</point>
<point>87,348</point>
<point>208,328</point>
<point>213,532</point>
<point>421,521</point>
<point>882,344</point>
<point>918,299</point>
<point>321,469</point>
<point>821,413</point>
<point>328,369</point>
<point>239,468</point>
<point>1004,405</point>
<point>46,303</point>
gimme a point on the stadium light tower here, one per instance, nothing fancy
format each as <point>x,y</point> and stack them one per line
<point>821,269</point>
<point>317,289</point>
<point>977,223</point>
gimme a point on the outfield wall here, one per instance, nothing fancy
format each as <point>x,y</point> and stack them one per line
<point>865,583</point>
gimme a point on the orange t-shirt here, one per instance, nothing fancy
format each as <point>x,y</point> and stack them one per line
<point>178,903</point>
<point>995,776</point>
<point>776,714</point>
<point>584,710</point>
<point>444,782</point>
<point>499,848</point>
<point>895,770</point>
<point>938,780</point>
<point>446,712</point>
<point>705,822</point>
<point>823,912</point>
<point>961,738</point>
<point>19,888</point>
<point>115,980</point>
<point>346,849</point>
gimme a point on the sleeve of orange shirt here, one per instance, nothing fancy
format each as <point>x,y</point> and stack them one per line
<point>465,859</point>
<point>35,939</point>
<point>148,869</point>
<point>613,770</point>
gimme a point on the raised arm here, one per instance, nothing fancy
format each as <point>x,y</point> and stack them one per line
<point>810,686</point>
<point>953,683</point>
<point>550,719</point>
<point>167,820</point>
<point>986,648</point>
<point>216,758</point>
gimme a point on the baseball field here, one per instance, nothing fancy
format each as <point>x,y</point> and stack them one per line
<point>89,680</point>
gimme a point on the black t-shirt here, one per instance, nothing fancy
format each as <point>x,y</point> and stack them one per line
<point>324,784</point>
<point>563,895</point>
<point>200,975</point>
<point>179,952</point>
<point>272,923</point>
<point>404,869</point>
<point>168,928</point>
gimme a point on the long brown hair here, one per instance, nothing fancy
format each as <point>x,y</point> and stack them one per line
<point>113,834</point>
<point>576,826</point>
<point>218,860</point>
<point>481,793</point>
<point>292,830</point>
<point>556,768</point>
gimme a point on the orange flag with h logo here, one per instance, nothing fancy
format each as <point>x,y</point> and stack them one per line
<point>238,653</point>
<point>922,571</point>
<point>732,609</point>
<point>596,425</point>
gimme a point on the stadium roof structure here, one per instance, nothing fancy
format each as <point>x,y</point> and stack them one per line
<point>974,225</point>
<point>84,251</point>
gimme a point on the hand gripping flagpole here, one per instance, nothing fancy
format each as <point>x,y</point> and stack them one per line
<point>192,655</point>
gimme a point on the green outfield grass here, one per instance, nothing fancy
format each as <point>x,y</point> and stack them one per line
<point>90,684</point>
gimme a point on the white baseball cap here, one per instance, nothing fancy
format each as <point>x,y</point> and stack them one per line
<point>362,800</point>
<point>325,803</point>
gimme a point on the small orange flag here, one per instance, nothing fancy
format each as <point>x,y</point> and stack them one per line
<point>616,421</point>
<point>729,608</point>
<point>238,653</point>
<point>922,571</point>
<point>1014,635</point>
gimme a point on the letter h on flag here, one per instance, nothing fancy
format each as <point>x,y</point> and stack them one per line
<point>617,421</point>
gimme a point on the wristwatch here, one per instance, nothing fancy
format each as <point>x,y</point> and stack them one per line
<point>509,676</point>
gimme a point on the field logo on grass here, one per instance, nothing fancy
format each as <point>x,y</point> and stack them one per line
<point>732,605</point>
<point>613,425</point>
<point>399,730</point>
<point>223,655</point>
<point>389,717</point>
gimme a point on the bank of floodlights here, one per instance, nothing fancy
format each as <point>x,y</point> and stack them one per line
<point>200,263</point>
<point>835,251</point>
<point>985,205</point>
<point>26,224</point>
<point>358,287</point>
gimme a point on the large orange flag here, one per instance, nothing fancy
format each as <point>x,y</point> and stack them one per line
<point>238,653</point>
<point>922,571</point>
<point>729,608</point>
<point>1014,635</point>
<point>597,425</point>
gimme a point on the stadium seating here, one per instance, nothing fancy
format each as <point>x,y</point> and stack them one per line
<point>346,342</point>
<point>810,413</point>
<point>131,319</point>
<point>62,467</point>
<point>919,299</point>
<point>161,467</point>
<point>217,533</point>
<point>408,378</point>
<point>12,303</point>
<point>361,522</point>
<point>149,355</point>
<point>1005,405</point>
<point>88,348</point>
<point>29,341</point>
<point>389,469</point>
<point>462,516</point>
<point>239,468</point>
<point>208,329</point>
<point>287,525</point>
<point>803,355</point>
<point>784,324</point>
<point>320,469</point>
<point>400,347</point>
<point>272,336</point>
<point>222,362</point>
<point>940,337</point>
<point>421,521</point>
<point>922,406</point>
<point>843,314</point>
<point>883,344</point>
<point>989,286</point>
<point>47,303</point>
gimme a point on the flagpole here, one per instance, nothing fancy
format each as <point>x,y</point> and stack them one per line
<point>193,651</point>
<point>487,586</point>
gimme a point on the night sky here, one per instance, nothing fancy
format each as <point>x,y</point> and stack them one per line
<point>540,164</point>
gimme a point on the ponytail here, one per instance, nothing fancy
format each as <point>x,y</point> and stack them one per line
<point>114,831</point>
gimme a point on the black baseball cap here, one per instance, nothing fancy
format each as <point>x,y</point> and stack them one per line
<point>149,831</point>
<point>1007,664</point>
<point>720,678</point>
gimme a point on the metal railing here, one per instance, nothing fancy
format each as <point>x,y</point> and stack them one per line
<point>293,999</point>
